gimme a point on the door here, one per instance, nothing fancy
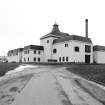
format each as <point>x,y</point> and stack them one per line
<point>87,58</point>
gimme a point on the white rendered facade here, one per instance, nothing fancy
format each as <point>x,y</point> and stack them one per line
<point>99,54</point>
<point>14,56</point>
<point>60,47</point>
<point>66,54</point>
<point>47,43</point>
<point>69,54</point>
<point>32,56</point>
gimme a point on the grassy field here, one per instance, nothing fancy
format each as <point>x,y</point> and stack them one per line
<point>91,72</point>
<point>4,67</point>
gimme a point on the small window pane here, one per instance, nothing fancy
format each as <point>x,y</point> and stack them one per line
<point>59,59</point>
<point>28,59</point>
<point>38,59</point>
<point>54,51</point>
<point>87,48</point>
<point>24,59</point>
<point>63,58</point>
<point>67,59</point>
<point>66,45</point>
<point>47,41</point>
<point>34,51</point>
<point>34,59</point>
<point>28,51</point>
<point>76,49</point>
<point>38,52</point>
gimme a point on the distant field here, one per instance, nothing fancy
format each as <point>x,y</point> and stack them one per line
<point>91,72</point>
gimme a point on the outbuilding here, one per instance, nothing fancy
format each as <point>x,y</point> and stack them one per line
<point>32,53</point>
<point>99,54</point>
<point>15,55</point>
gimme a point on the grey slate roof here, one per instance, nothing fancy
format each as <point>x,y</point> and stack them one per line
<point>98,48</point>
<point>72,37</point>
<point>35,47</point>
<point>15,50</point>
<point>55,33</point>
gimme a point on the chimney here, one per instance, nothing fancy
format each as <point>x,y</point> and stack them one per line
<point>86,28</point>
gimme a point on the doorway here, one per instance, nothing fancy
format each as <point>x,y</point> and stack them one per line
<point>87,58</point>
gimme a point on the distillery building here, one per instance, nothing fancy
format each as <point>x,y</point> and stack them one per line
<point>57,46</point>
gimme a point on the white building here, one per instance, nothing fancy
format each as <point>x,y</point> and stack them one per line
<point>3,59</point>
<point>73,49</point>
<point>62,47</point>
<point>15,55</point>
<point>99,54</point>
<point>33,53</point>
<point>47,42</point>
<point>58,46</point>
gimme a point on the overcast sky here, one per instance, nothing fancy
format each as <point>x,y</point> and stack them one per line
<point>23,22</point>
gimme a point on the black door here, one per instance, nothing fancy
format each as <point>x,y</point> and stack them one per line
<point>87,58</point>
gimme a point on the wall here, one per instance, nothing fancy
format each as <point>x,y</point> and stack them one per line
<point>99,56</point>
<point>15,58</point>
<point>63,51</point>
<point>47,47</point>
<point>31,56</point>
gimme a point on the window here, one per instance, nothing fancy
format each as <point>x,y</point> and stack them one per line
<point>28,51</point>
<point>38,59</point>
<point>47,41</point>
<point>24,59</point>
<point>67,59</point>
<point>76,49</point>
<point>63,58</point>
<point>9,54</point>
<point>54,51</point>
<point>25,52</point>
<point>16,53</point>
<point>87,48</point>
<point>59,59</point>
<point>34,51</point>
<point>38,52</point>
<point>34,59</point>
<point>28,59</point>
<point>66,45</point>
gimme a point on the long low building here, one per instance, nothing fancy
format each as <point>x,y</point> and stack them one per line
<point>99,54</point>
<point>30,53</point>
<point>15,55</point>
<point>33,53</point>
<point>58,46</point>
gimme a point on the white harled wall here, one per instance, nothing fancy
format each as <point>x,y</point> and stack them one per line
<point>99,56</point>
<point>15,58</point>
<point>31,56</point>
<point>47,47</point>
<point>69,51</point>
